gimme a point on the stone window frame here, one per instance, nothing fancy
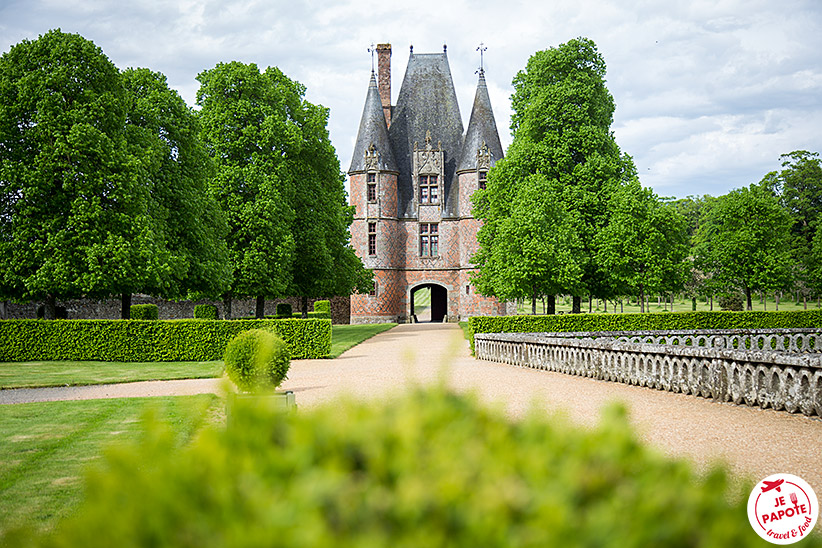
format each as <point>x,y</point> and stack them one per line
<point>371,188</point>
<point>372,238</point>
<point>429,237</point>
<point>429,188</point>
<point>482,178</point>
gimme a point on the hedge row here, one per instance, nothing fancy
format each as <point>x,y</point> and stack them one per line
<point>149,341</point>
<point>643,322</point>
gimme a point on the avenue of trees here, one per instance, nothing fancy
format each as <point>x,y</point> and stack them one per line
<point>111,185</point>
<point>564,212</point>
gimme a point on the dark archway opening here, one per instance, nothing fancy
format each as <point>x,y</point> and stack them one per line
<point>432,304</point>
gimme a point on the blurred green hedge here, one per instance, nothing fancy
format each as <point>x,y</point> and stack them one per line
<point>144,312</point>
<point>150,341</point>
<point>428,469</point>
<point>643,322</point>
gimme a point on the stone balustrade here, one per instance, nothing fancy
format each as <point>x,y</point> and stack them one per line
<point>711,364</point>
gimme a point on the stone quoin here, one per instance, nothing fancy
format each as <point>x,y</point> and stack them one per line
<point>412,175</point>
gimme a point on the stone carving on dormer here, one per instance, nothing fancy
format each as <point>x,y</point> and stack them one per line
<point>372,158</point>
<point>428,160</point>
<point>483,158</point>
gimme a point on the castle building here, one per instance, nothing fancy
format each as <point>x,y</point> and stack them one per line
<point>412,175</point>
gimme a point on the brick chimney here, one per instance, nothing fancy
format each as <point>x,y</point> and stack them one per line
<point>384,79</point>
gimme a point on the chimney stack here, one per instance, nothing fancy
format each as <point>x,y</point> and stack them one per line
<point>384,79</point>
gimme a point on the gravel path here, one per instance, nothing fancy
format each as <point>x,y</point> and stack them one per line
<point>754,442</point>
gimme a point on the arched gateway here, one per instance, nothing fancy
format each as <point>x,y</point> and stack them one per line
<point>437,310</point>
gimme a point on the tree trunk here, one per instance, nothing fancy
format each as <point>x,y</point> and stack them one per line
<point>776,296</point>
<point>605,305</point>
<point>50,308</point>
<point>590,304</point>
<point>551,304</point>
<point>693,304</point>
<point>764,302</point>
<point>641,299</point>
<point>304,304</point>
<point>805,302</point>
<point>259,313</point>
<point>125,306</point>
<point>712,303</point>
<point>533,304</point>
<point>227,307</point>
<point>4,307</point>
<point>621,309</point>
<point>576,306</point>
<point>748,298</point>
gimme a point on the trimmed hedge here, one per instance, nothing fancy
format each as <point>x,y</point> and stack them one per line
<point>150,341</point>
<point>322,315</point>
<point>323,306</point>
<point>643,322</point>
<point>144,312</point>
<point>283,310</point>
<point>205,312</point>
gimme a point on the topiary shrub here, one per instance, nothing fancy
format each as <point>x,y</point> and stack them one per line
<point>323,307</point>
<point>257,360</point>
<point>384,474</point>
<point>283,310</point>
<point>144,312</point>
<point>205,312</point>
<point>730,301</point>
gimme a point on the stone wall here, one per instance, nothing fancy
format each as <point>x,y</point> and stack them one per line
<point>172,310</point>
<point>728,366</point>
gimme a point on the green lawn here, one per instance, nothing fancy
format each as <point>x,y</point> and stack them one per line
<point>344,337</point>
<point>44,448</point>
<point>34,374</point>
<point>680,305</point>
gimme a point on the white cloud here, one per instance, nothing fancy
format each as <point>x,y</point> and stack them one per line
<point>709,93</point>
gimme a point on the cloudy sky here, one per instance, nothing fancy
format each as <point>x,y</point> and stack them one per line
<point>709,93</point>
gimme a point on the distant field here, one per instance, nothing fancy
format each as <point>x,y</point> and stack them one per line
<point>680,305</point>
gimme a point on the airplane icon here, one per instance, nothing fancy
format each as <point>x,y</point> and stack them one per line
<point>773,485</point>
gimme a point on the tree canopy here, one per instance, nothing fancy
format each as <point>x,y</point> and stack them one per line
<point>561,131</point>
<point>70,210</point>
<point>743,242</point>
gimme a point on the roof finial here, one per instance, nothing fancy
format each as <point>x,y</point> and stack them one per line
<point>371,50</point>
<point>444,47</point>
<point>412,48</point>
<point>481,49</point>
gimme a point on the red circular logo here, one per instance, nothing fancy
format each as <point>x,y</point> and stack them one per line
<point>783,509</point>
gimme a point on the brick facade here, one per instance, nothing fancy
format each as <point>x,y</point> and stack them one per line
<point>424,142</point>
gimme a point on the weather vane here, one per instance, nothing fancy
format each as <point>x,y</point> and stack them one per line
<point>371,50</point>
<point>481,49</point>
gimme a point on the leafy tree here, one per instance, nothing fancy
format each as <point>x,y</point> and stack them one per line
<point>561,128</point>
<point>532,249</point>
<point>250,125</point>
<point>71,218</point>
<point>175,169</point>
<point>799,187</point>
<point>743,241</point>
<point>645,243</point>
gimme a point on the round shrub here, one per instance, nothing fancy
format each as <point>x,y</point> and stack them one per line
<point>257,359</point>
<point>428,468</point>
<point>283,310</point>
<point>731,301</point>
<point>144,312</point>
<point>205,312</point>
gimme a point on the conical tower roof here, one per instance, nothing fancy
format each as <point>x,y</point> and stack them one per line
<point>373,131</point>
<point>482,130</point>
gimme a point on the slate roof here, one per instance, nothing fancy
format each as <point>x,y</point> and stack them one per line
<point>427,102</point>
<point>481,129</point>
<point>373,130</point>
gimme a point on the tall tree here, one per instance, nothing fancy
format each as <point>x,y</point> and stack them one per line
<point>645,243</point>
<point>71,218</point>
<point>561,127</point>
<point>250,125</point>
<point>530,251</point>
<point>743,241</point>
<point>174,168</point>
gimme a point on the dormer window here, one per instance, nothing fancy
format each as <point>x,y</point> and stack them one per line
<point>482,179</point>
<point>429,189</point>
<point>371,187</point>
